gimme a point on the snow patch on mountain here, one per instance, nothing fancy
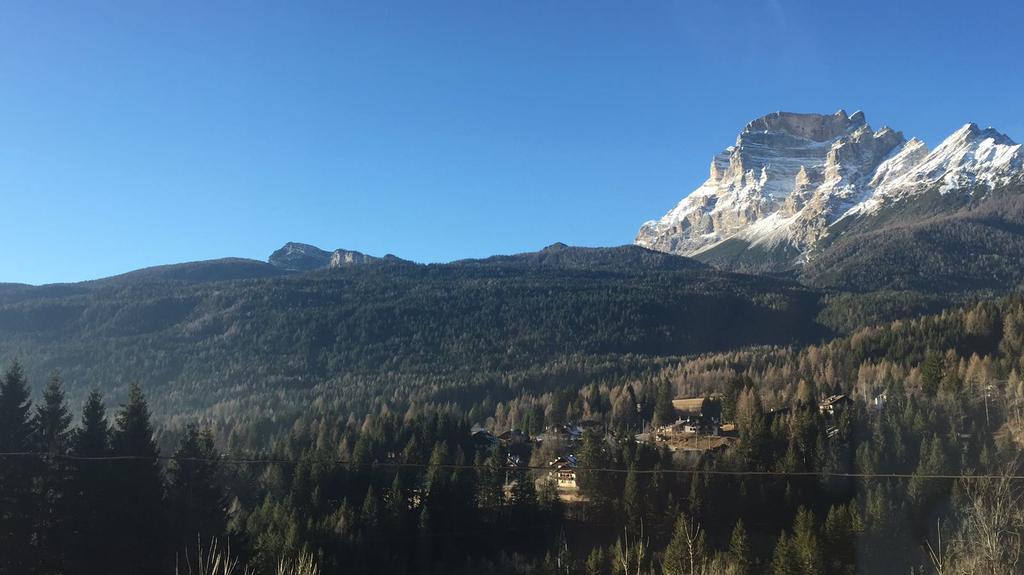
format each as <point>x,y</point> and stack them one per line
<point>790,177</point>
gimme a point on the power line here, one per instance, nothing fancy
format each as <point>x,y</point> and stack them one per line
<point>469,467</point>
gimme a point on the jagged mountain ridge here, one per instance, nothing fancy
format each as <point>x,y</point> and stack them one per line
<point>299,257</point>
<point>773,197</point>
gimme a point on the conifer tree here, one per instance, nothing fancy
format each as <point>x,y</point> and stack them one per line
<point>396,502</point>
<point>195,496</point>
<point>785,559</point>
<point>15,409</point>
<point>139,524</point>
<point>740,555</point>
<point>93,490</point>
<point>53,418</point>
<point>18,501</point>
<point>632,500</point>
<point>664,412</point>
<point>931,372</point>
<point>596,562</point>
<point>369,514</point>
<point>687,551</point>
<point>52,424</point>
<point>805,543</point>
<point>592,456</point>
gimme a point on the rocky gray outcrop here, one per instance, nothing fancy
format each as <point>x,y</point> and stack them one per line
<point>790,177</point>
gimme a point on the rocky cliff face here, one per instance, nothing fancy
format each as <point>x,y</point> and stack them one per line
<point>790,177</point>
<point>343,258</point>
<point>294,256</point>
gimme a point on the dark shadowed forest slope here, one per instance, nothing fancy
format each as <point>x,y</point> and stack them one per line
<point>199,341</point>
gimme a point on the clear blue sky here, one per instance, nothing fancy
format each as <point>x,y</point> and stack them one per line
<point>137,133</point>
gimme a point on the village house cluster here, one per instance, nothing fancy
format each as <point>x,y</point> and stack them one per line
<point>699,429</point>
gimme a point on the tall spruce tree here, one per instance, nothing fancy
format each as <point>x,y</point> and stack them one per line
<point>140,526</point>
<point>632,501</point>
<point>53,419</point>
<point>92,490</point>
<point>740,555</point>
<point>52,424</point>
<point>806,544</point>
<point>196,499</point>
<point>785,559</point>
<point>664,412</point>
<point>18,501</point>
<point>687,552</point>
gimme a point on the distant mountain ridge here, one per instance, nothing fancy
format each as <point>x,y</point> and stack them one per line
<point>299,257</point>
<point>794,184</point>
<point>561,256</point>
<point>197,343</point>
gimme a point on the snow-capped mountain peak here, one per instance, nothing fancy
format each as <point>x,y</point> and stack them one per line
<point>790,177</point>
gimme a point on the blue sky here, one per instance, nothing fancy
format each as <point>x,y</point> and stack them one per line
<point>140,133</point>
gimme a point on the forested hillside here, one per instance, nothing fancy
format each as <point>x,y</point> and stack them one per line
<point>954,243</point>
<point>872,486</point>
<point>416,332</point>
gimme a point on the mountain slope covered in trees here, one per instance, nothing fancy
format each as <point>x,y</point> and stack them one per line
<point>933,243</point>
<point>202,341</point>
<point>409,488</point>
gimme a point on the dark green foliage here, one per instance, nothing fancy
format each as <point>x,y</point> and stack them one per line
<point>664,413</point>
<point>786,558</point>
<point>633,501</point>
<point>842,528</point>
<point>687,552</point>
<point>931,373</point>
<point>53,419</point>
<point>424,333</point>
<point>93,493</point>
<point>15,411</point>
<point>740,554</point>
<point>55,486</point>
<point>137,514</point>
<point>195,494</point>
<point>18,502</point>
<point>806,544</point>
<point>351,486</point>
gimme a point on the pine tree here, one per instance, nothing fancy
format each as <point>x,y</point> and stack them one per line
<point>805,543</point>
<point>840,537</point>
<point>396,502</point>
<point>925,491</point>
<point>53,419</point>
<point>931,372</point>
<point>687,551</point>
<point>18,501</point>
<point>740,555</point>
<point>632,500</point>
<point>592,456</point>
<point>195,495</point>
<point>52,424</point>
<point>93,493</point>
<point>785,559</point>
<point>369,514</point>
<point>139,521</point>
<point>15,407</point>
<point>753,429</point>
<point>664,412</point>
<point>596,562</point>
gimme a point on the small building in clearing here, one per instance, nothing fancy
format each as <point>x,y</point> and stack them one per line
<point>834,404</point>
<point>563,471</point>
<point>707,408</point>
